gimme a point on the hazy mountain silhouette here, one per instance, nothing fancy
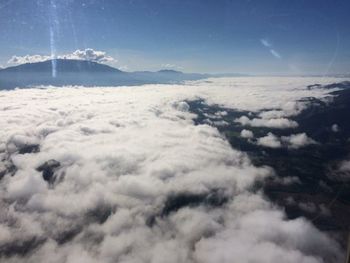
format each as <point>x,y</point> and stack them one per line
<point>61,72</point>
<point>62,66</point>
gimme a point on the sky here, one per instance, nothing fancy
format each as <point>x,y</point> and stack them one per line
<point>243,36</point>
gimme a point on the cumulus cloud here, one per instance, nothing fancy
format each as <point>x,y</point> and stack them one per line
<point>297,140</point>
<point>258,237</point>
<point>293,141</point>
<point>345,166</point>
<point>280,123</point>
<point>270,140</point>
<point>135,180</point>
<point>342,173</point>
<point>335,128</point>
<point>247,134</point>
<point>87,54</point>
<point>16,60</point>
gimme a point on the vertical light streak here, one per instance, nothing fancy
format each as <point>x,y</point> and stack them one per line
<point>54,24</point>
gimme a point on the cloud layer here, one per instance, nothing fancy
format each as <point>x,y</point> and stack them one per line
<point>124,175</point>
<point>87,54</point>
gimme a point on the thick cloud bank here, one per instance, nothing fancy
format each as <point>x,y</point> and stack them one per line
<point>124,175</point>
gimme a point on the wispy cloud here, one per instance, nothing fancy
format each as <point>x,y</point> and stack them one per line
<point>170,66</point>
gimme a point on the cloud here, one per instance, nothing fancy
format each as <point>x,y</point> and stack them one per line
<point>297,140</point>
<point>280,123</point>
<point>170,66</point>
<point>16,60</point>
<point>270,140</point>
<point>167,65</point>
<point>259,236</point>
<point>247,134</point>
<point>341,174</point>
<point>345,166</point>
<point>335,128</point>
<point>123,67</point>
<point>294,141</point>
<point>135,180</point>
<point>87,54</point>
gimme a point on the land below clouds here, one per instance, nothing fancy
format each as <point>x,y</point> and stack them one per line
<point>308,181</point>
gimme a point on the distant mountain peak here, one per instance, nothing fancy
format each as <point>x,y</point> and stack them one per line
<point>63,72</point>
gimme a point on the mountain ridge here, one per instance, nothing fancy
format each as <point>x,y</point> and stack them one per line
<point>62,65</point>
<point>62,72</point>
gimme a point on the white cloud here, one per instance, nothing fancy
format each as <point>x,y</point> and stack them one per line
<point>123,152</point>
<point>16,60</point>
<point>335,128</point>
<point>259,237</point>
<point>342,172</point>
<point>345,166</point>
<point>123,67</point>
<point>247,134</point>
<point>297,140</point>
<point>270,140</point>
<point>170,66</point>
<point>280,123</point>
<point>294,141</point>
<point>87,54</point>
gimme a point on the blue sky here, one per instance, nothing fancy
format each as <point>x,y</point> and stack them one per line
<point>257,37</point>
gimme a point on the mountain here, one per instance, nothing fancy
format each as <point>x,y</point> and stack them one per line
<point>62,66</point>
<point>60,72</point>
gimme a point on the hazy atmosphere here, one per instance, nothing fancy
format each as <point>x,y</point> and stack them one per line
<point>252,37</point>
